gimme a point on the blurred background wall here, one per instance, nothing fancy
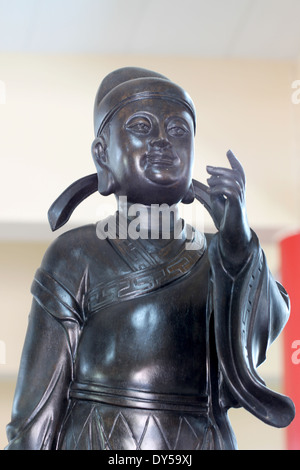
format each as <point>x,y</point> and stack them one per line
<point>240,62</point>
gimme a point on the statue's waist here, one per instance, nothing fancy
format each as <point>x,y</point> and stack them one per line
<point>138,398</point>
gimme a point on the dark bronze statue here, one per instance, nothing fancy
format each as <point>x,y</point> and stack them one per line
<point>138,340</point>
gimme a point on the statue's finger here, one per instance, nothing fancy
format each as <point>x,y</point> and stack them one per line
<point>235,164</point>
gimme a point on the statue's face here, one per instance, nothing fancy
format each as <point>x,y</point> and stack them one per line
<point>150,151</point>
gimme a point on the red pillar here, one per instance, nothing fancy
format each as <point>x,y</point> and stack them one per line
<point>290,270</point>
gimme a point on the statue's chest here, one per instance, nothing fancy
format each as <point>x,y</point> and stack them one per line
<point>156,339</point>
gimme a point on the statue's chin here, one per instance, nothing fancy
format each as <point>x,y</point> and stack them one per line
<point>162,175</point>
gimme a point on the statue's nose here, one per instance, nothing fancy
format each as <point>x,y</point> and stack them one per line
<point>160,143</point>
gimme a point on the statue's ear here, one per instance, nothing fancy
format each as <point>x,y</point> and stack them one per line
<point>106,182</point>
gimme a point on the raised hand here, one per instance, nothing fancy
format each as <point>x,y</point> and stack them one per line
<point>227,194</point>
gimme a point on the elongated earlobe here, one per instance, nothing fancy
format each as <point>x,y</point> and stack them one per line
<point>99,151</point>
<point>190,195</point>
<point>106,181</point>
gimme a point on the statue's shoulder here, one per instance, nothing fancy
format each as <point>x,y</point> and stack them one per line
<point>72,252</point>
<point>68,243</point>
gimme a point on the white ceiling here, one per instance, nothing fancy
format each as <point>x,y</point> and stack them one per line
<point>268,29</point>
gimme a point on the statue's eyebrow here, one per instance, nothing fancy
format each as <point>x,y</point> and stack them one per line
<point>178,118</point>
<point>139,114</point>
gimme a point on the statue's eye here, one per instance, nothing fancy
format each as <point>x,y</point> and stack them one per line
<point>138,125</point>
<point>176,131</point>
<point>177,128</point>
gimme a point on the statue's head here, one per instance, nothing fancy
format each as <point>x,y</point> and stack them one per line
<point>144,138</point>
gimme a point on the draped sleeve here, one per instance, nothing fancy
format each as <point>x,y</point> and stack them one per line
<point>46,367</point>
<point>250,310</point>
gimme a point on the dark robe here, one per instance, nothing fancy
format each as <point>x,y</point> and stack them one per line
<point>143,344</point>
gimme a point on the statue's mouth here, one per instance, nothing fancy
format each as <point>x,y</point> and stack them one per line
<point>161,158</point>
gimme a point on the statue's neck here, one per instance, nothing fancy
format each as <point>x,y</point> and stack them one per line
<point>155,221</point>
